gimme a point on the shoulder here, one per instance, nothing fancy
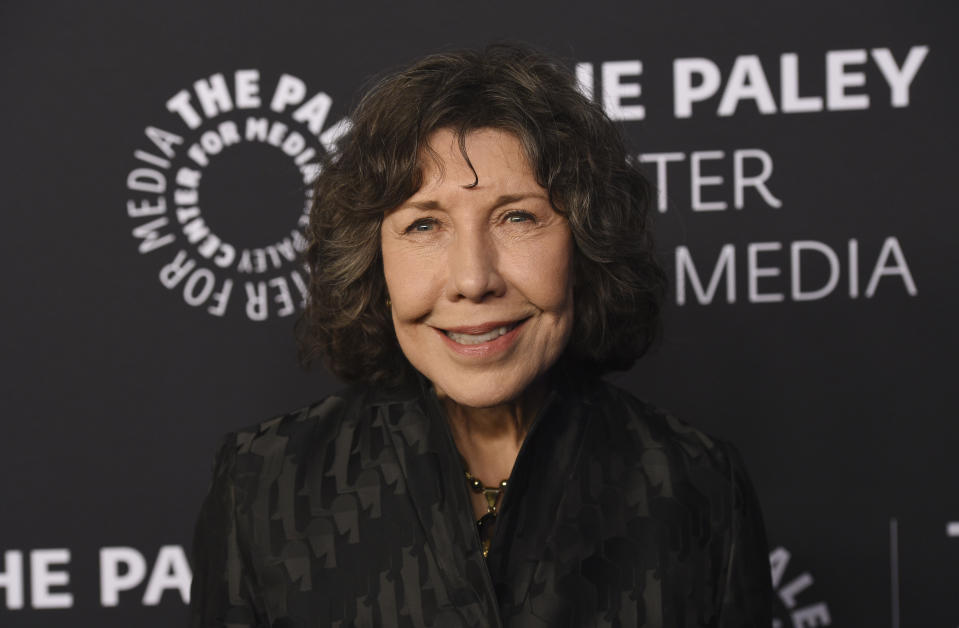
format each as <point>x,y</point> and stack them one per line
<point>264,449</point>
<point>695,486</point>
<point>688,491</point>
<point>684,471</point>
<point>660,442</point>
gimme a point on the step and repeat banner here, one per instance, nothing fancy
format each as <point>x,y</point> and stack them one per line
<point>156,161</point>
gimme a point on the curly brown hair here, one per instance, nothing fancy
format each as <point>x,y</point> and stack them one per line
<point>577,155</point>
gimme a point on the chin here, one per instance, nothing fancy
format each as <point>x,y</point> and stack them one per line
<point>482,391</point>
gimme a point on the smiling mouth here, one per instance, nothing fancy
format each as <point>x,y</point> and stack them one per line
<point>478,339</point>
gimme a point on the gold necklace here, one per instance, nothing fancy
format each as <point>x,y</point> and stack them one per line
<point>484,525</point>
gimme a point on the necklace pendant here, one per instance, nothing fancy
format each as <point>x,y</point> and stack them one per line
<point>485,523</point>
<point>485,528</point>
<point>492,496</point>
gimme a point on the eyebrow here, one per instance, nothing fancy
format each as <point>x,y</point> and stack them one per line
<point>504,199</point>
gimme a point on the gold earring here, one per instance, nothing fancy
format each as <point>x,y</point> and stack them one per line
<point>389,303</point>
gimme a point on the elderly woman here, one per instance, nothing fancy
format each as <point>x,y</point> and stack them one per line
<point>480,254</point>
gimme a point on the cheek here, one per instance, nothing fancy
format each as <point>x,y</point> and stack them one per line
<point>393,273</point>
<point>548,276</point>
<point>409,283</point>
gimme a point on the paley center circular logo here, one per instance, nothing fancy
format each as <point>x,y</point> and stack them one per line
<point>221,191</point>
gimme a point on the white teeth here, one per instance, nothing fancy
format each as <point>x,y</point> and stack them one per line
<point>475,339</point>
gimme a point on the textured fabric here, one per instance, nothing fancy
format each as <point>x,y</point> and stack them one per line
<point>354,511</point>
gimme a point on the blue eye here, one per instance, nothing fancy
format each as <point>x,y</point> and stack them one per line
<point>422,225</point>
<point>518,216</point>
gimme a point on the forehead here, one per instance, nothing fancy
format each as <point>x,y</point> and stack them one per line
<point>484,157</point>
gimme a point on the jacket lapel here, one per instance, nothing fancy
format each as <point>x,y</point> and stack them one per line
<point>537,488</point>
<point>434,480</point>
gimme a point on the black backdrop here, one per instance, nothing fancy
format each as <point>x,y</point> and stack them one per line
<point>119,373</point>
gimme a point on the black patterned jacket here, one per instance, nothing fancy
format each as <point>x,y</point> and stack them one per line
<point>354,511</point>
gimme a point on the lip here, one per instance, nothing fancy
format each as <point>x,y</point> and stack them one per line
<point>486,349</point>
<point>483,327</point>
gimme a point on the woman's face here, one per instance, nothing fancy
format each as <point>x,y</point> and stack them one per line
<point>480,278</point>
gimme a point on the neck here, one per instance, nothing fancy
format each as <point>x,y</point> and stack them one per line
<point>489,438</point>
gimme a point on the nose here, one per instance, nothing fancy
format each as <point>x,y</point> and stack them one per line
<point>474,267</point>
